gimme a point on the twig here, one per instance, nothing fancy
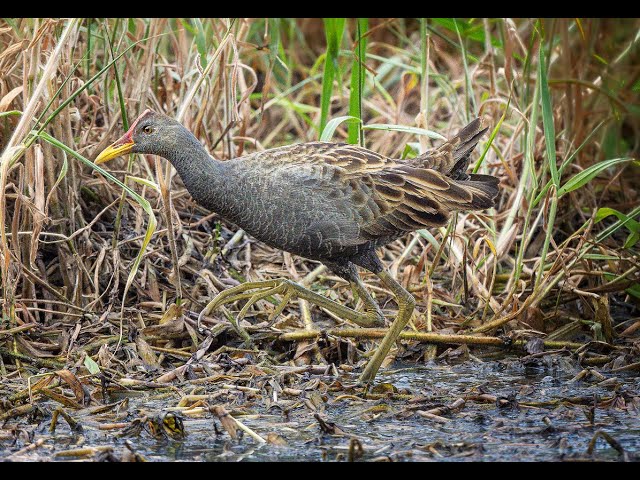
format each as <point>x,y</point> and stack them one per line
<point>426,337</point>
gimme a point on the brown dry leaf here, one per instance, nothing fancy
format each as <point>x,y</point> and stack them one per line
<point>275,439</point>
<point>152,282</point>
<point>534,318</point>
<point>9,97</point>
<point>61,399</point>
<point>38,201</point>
<point>173,312</point>
<point>75,385</point>
<point>629,331</point>
<point>104,356</point>
<point>146,353</point>
<point>382,388</point>
<point>166,330</point>
<point>603,317</point>
<point>226,420</point>
<point>42,383</point>
<point>193,335</point>
<point>302,349</point>
<point>31,351</point>
<point>254,371</point>
<point>328,427</point>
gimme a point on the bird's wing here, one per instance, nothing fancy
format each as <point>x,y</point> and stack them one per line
<point>382,195</point>
<point>409,198</point>
<point>339,155</point>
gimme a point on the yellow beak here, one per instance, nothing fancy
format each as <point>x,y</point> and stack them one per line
<point>115,150</point>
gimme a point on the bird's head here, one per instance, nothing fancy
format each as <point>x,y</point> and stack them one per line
<point>151,133</point>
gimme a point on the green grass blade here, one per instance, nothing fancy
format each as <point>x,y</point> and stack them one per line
<point>611,229</point>
<point>357,81</point>
<point>567,162</point>
<point>61,175</point>
<point>469,97</point>
<point>632,225</point>
<point>466,30</point>
<point>144,181</point>
<point>547,120</point>
<point>123,110</point>
<point>201,42</point>
<point>550,141</point>
<point>424,74</point>
<point>88,55</point>
<point>334,31</point>
<point>10,112</point>
<point>331,126</point>
<point>491,138</point>
<point>585,176</point>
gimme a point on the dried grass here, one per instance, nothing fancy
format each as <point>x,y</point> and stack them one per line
<point>550,261</point>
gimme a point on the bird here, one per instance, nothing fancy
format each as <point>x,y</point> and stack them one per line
<point>336,203</point>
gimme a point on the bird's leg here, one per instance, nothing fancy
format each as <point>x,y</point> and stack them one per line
<point>406,304</point>
<point>373,316</point>
<point>254,291</point>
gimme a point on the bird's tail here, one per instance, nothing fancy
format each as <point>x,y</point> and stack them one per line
<point>484,189</point>
<point>452,157</point>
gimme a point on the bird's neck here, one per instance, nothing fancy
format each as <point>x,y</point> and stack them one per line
<point>203,175</point>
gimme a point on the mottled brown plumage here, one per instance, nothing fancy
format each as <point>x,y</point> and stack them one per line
<point>331,202</point>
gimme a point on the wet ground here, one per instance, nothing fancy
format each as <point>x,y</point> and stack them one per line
<point>547,410</point>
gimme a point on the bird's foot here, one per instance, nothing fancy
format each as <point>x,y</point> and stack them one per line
<point>255,291</point>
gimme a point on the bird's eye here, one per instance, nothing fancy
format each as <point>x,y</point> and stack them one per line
<point>147,129</point>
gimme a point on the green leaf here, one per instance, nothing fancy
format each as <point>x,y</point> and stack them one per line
<point>634,290</point>
<point>589,173</point>
<point>411,150</point>
<point>567,161</point>
<point>123,110</point>
<point>91,365</point>
<point>467,30</point>
<point>334,30</point>
<point>469,95</point>
<point>491,138</point>
<point>330,128</point>
<point>201,42</point>
<point>357,81</point>
<point>144,181</point>
<point>547,119</point>
<point>632,225</point>
<point>10,112</point>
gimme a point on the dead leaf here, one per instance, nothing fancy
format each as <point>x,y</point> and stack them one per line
<point>75,385</point>
<point>9,97</point>
<point>174,311</point>
<point>169,329</point>
<point>275,439</point>
<point>146,353</point>
<point>328,427</point>
<point>227,421</point>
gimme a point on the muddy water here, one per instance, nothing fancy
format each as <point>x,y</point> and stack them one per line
<point>539,419</point>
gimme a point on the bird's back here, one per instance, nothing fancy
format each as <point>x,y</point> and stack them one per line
<point>326,200</point>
